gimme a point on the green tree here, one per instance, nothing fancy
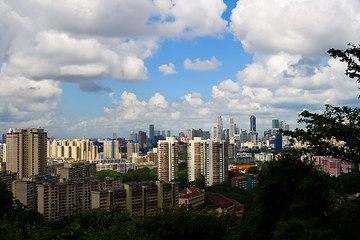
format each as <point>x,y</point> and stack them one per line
<point>287,189</point>
<point>351,57</point>
<point>182,155</point>
<point>336,132</point>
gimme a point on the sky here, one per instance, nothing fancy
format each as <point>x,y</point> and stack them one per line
<point>93,68</point>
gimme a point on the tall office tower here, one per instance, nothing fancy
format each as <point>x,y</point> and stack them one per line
<point>142,139</point>
<point>278,141</point>
<point>252,123</point>
<point>196,158</point>
<point>131,149</point>
<point>151,134</point>
<point>286,127</point>
<point>243,136</point>
<point>181,134</point>
<point>168,133</point>
<point>219,128</point>
<point>196,133</point>
<point>281,124</point>
<point>232,128</point>
<point>226,134</point>
<point>26,151</point>
<point>133,136</point>
<point>216,162</point>
<point>214,131</point>
<point>253,137</point>
<point>188,132</point>
<point>168,161</point>
<point>275,123</point>
<point>205,135</point>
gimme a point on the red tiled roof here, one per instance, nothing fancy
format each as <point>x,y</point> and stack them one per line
<point>190,192</point>
<point>218,199</point>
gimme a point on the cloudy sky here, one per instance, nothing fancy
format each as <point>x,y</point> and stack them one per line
<point>90,68</point>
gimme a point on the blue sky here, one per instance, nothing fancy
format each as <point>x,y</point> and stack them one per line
<point>80,68</point>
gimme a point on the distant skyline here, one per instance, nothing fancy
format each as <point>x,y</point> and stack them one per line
<point>94,68</point>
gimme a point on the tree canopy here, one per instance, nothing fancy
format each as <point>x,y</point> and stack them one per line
<point>336,133</point>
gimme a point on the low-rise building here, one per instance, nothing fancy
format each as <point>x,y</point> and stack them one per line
<point>192,196</point>
<point>246,181</point>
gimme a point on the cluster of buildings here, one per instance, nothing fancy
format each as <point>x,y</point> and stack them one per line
<point>63,188</point>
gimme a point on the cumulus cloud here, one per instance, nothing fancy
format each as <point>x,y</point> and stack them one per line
<point>167,69</point>
<point>23,100</point>
<point>82,42</point>
<point>202,65</point>
<point>297,27</point>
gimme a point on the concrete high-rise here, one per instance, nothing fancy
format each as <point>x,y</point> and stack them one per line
<point>232,128</point>
<point>77,149</point>
<point>142,139</point>
<point>208,158</point>
<point>111,148</point>
<point>151,134</point>
<point>219,128</point>
<point>131,149</point>
<point>196,158</point>
<point>252,123</point>
<point>26,151</point>
<point>216,162</point>
<point>168,160</point>
<point>275,123</point>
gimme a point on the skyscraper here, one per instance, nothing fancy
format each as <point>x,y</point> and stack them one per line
<point>219,127</point>
<point>232,128</point>
<point>168,161</point>
<point>142,139</point>
<point>131,149</point>
<point>151,134</point>
<point>252,123</point>
<point>26,151</point>
<point>275,123</point>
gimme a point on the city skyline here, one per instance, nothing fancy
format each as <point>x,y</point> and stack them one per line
<point>74,68</point>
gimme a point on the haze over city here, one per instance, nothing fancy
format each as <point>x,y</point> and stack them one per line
<point>81,68</point>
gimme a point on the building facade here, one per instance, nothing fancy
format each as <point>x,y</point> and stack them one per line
<point>168,160</point>
<point>26,151</point>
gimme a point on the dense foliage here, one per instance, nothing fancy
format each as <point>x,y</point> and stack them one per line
<point>336,132</point>
<point>139,175</point>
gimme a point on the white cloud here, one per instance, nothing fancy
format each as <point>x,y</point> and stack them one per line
<point>167,69</point>
<point>202,65</point>
<point>297,27</point>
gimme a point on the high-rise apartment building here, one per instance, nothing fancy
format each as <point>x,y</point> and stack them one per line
<point>208,158</point>
<point>168,161</point>
<point>252,123</point>
<point>196,158</point>
<point>77,149</point>
<point>131,149</point>
<point>111,148</point>
<point>26,151</point>
<point>216,163</point>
